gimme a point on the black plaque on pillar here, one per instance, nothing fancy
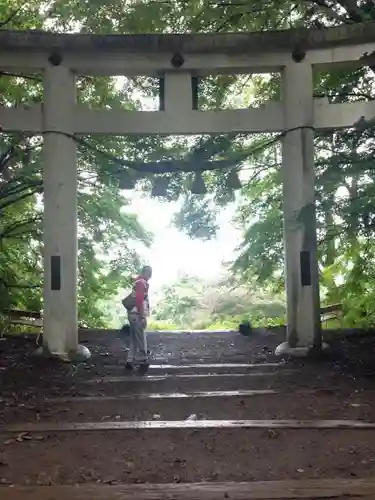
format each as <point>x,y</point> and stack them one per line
<point>305,268</point>
<point>195,92</point>
<point>161,94</point>
<point>55,272</point>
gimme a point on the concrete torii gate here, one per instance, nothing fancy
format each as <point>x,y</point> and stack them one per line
<point>178,58</point>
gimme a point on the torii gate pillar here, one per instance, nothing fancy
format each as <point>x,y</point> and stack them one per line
<point>60,337</point>
<point>301,261</point>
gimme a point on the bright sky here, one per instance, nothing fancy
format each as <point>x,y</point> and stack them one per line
<point>173,252</point>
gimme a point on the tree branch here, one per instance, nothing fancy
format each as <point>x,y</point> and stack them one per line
<point>23,287</point>
<point>8,230</point>
<point>5,159</point>
<point>353,10</point>
<point>20,75</point>
<point>20,198</point>
<point>321,6</point>
<point>18,189</point>
<point>11,16</point>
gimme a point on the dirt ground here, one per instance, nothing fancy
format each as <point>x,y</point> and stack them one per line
<point>176,455</point>
<point>340,386</point>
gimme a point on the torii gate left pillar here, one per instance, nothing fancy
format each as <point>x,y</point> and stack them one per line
<point>60,217</point>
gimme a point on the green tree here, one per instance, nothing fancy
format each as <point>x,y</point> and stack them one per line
<point>107,231</point>
<point>191,302</point>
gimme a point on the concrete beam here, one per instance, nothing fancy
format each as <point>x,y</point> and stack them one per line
<point>348,57</point>
<point>267,118</point>
<point>226,43</point>
<point>115,64</point>
<point>203,54</point>
<point>328,116</point>
<point>22,118</point>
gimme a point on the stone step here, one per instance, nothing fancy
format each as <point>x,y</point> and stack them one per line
<point>283,379</point>
<point>265,490</point>
<point>248,405</point>
<point>189,423</point>
<point>179,455</point>
<point>182,382</point>
<point>202,368</point>
<point>167,395</point>
<point>203,347</point>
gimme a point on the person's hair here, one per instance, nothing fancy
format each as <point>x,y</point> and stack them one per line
<point>146,269</point>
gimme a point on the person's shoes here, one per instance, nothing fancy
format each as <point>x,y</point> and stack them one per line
<point>143,368</point>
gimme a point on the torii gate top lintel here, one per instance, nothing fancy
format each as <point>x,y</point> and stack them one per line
<point>234,43</point>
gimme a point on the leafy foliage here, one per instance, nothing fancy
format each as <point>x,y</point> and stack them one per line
<point>344,192</point>
<point>195,303</point>
<point>108,233</point>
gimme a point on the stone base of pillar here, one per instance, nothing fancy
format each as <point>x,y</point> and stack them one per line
<point>82,353</point>
<point>285,350</point>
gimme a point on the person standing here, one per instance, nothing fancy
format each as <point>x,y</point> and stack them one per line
<point>137,305</point>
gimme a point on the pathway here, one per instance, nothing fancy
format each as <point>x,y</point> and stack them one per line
<point>216,411</point>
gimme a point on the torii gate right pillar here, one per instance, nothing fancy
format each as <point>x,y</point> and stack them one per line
<point>300,239</point>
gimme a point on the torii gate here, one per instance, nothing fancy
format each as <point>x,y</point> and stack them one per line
<point>178,58</point>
